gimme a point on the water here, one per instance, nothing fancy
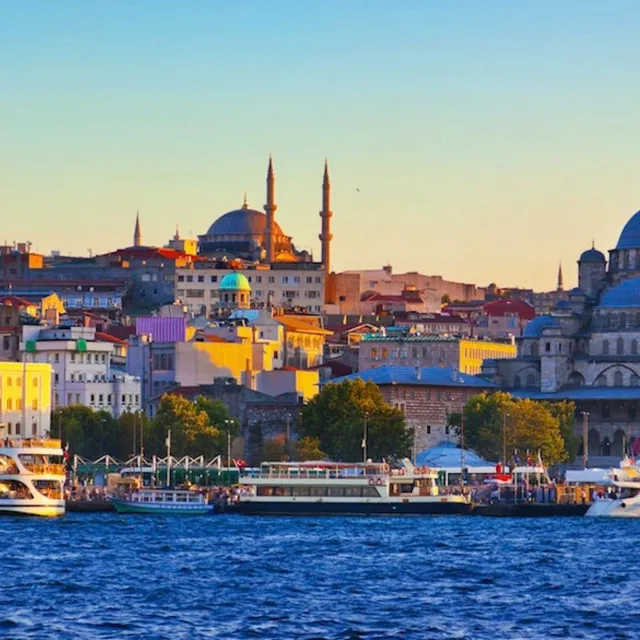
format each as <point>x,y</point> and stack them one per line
<point>100,576</point>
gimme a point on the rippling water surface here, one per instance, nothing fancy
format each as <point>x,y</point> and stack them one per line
<point>114,576</point>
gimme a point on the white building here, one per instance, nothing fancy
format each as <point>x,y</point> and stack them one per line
<point>283,285</point>
<point>82,368</point>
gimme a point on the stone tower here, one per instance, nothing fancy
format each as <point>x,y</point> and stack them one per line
<point>270,210</point>
<point>592,272</point>
<point>137,235</point>
<point>326,213</point>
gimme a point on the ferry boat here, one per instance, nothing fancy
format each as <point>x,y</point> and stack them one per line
<point>31,478</point>
<point>164,502</point>
<point>329,488</point>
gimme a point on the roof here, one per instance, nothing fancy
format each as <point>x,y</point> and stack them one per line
<point>592,255</point>
<point>407,337</point>
<point>373,296</point>
<point>149,253</point>
<point>105,337</point>
<point>630,236</point>
<point>581,393</point>
<point>537,325</point>
<point>626,294</point>
<point>242,222</point>
<point>430,318</point>
<point>510,307</point>
<point>235,281</point>
<point>121,332</point>
<point>162,329</point>
<point>425,376</point>
<point>15,301</point>
<point>448,454</point>
<point>340,328</point>
<point>338,367</point>
<point>298,324</point>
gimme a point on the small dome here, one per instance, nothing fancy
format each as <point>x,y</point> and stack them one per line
<point>235,281</point>
<point>626,294</point>
<point>537,325</point>
<point>242,222</point>
<point>630,236</point>
<point>576,291</point>
<point>592,255</point>
<point>563,304</point>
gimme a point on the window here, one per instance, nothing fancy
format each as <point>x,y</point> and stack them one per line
<point>605,347</point>
<point>428,429</point>
<point>309,279</point>
<point>56,357</point>
<point>6,343</point>
<point>73,357</point>
<point>109,399</point>
<point>93,398</point>
<point>258,279</point>
<point>272,279</point>
<point>72,377</point>
<point>634,347</point>
<point>189,278</point>
<point>18,428</point>
<point>69,399</point>
<point>88,358</point>
<point>34,428</point>
<point>101,398</point>
<point>620,346</point>
<point>200,278</point>
<point>214,278</point>
<point>34,404</point>
<point>34,382</point>
<point>318,280</point>
<point>606,411</point>
<point>285,279</point>
<point>77,398</point>
<point>617,379</point>
<point>124,398</point>
<point>9,404</point>
<point>547,346</point>
<point>180,278</point>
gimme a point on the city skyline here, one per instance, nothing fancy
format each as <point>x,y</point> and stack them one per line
<point>484,145</point>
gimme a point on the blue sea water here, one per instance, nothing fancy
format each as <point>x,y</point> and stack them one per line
<point>101,576</point>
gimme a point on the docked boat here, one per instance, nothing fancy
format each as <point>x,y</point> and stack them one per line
<point>32,477</point>
<point>164,502</point>
<point>329,488</point>
<point>624,499</point>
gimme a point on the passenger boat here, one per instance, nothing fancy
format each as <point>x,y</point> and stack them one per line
<point>626,503</point>
<point>164,502</point>
<point>329,488</point>
<point>32,477</point>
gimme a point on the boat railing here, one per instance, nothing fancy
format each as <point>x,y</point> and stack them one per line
<point>25,443</point>
<point>49,468</point>
<point>314,474</point>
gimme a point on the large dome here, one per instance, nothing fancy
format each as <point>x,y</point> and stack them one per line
<point>235,282</point>
<point>630,236</point>
<point>535,328</point>
<point>625,295</point>
<point>592,255</point>
<point>242,222</point>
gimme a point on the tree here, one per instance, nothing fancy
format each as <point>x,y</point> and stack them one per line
<point>308,448</point>
<point>446,299</point>
<point>339,415</point>
<point>275,449</point>
<point>497,421</point>
<point>191,432</point>
<point>219,417</point>
<point>88,433</point>
<point>565,412</point>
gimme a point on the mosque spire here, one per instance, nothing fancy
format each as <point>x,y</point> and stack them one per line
<point>137,235</point>
<point>245,206</point>
<point>177,236</point>
<point>270,209</point>
<point>325,215</point>
<point>560,279</point>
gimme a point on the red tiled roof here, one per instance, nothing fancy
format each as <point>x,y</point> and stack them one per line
<point>105,337</point>
<point>121,332</point>
<point>15,301</point>
<point>381,297</point>
<point>510,307</point>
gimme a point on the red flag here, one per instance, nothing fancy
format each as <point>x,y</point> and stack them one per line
<point>241,464</point>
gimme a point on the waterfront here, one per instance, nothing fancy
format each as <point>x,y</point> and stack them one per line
<point>110,576</point>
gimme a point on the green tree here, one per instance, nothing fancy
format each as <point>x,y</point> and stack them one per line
<point>191,432</point>
<point>219,417</point>
<point>88,433</point>
<point>338,415</point>
<point>308,448</point>
<point>565,412</point>
<point>132,427</point>
<point>446,299</point>
<point>275,449</point>
<point>494,421</point>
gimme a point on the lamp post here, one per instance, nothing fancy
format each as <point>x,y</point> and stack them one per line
<point>228,423</point>
<point>504,441</point>
<point>287,417</point>
<point>364,438</point>
<point>585,439</point>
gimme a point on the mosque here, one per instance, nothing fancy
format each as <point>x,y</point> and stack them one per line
<point>587,350</point>
<point>254,236</point>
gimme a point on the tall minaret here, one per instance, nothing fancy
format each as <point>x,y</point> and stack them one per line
<point>270,209</point>
<point>137,236</point>
<point>560,280</point>
<point>326,213</point>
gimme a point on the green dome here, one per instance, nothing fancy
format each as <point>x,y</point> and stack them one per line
<point>234,281</point>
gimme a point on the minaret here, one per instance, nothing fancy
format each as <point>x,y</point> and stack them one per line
<point>326,213</point>
<point>137,236</point>
<point>560,280</point>
<point>270,209</point>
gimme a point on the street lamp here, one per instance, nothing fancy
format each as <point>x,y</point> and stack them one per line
<point>364,439</point>
<point>504,441</point>
<point>228,423</point>
<point>585,439</point>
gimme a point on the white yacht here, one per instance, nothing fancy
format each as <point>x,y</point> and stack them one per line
<point>330,488</point>
<point>626,503</point>
<point>32,477</point>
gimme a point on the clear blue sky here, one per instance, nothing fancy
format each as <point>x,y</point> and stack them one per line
<point>489,140</point>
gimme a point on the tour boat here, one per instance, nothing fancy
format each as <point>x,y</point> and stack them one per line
<point>626,503</point>
<point>31,478</point>
<point>329,488</point>
<point>164,502</point>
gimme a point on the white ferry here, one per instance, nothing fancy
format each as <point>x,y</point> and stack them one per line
<point>164,502</point>
<point>329,488</point>
<point>31,478</point>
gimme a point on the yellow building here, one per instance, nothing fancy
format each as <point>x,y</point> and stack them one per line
<point>473,352</point>
<point>304,339</point>
<point>25,399</point>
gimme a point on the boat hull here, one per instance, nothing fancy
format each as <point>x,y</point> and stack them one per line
<point>52,509</point>
<point>124,506</point>
<point>284,508</point>
<point>621,508</point>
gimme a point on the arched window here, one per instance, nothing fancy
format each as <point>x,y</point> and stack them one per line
<point>634,380</point>
<point>576,379</point>
<point>605,347</point>
<point>531,380</point>
<point>634,347</point>
<point>620,346</point>
<point>601,381</point>
<point>516,382</point>
<point>617,379</point>
<point>623,320</point>
<point>535,350</point>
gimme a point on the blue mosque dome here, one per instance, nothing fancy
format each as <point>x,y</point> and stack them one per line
<point>535,327</point>
<point>235,281</point>
<point>243,221</point>
<point>592,255</point>
<point>626,294</point>
<point>630,236</point>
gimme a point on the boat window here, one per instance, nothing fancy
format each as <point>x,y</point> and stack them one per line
<point>49,488</point>
<point>370,492</point>
<point>352,492</point>
<point>7,465</point>
<point>335,492</point>
<point>316,491</point>
<point>406,487</point>
<point>14,490</point>
<point>299,491</point>
<point>265,491</point>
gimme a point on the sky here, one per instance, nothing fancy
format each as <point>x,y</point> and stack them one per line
<point>485,141</point>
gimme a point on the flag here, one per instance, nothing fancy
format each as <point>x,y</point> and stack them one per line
<point>66,453</point>
<point>240,464</point>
